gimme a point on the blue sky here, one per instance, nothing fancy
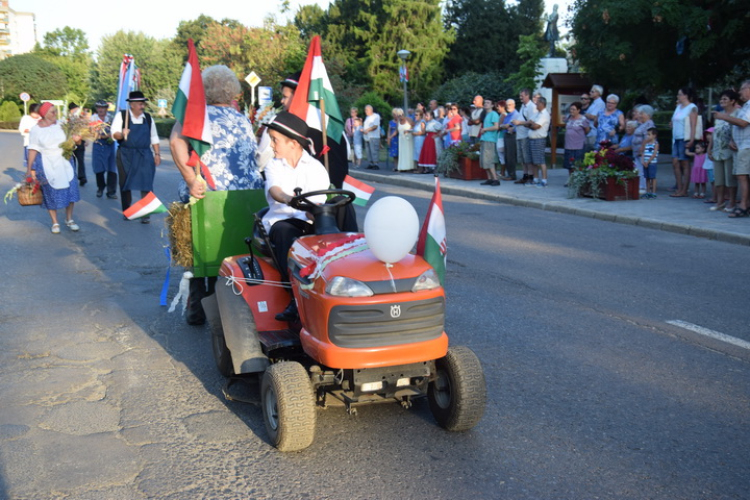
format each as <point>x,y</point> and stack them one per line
<point>155,18</point>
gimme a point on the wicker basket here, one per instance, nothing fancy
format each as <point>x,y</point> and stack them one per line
<point>27,196</point>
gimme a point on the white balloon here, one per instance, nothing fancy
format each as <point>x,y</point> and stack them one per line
<point>391,228</point>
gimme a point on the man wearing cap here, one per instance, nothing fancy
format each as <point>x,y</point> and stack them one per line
<point>292,167</point>
<point>74,110</point>
<point>103,155</point>
<point>136,135</point>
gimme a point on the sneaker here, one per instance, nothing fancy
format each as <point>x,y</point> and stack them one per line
<point>495,183</point>
<point>488,182</point>
<point>55,229</point>
<point>99,193</point>
<point>542,184</point>
<point>72,225</point>
<point>111,196</point>
<point>522,180</point>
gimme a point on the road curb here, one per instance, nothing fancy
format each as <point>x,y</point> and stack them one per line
<point>560,207</point>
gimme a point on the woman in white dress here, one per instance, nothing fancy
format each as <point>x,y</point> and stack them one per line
<point>54,173</point>
<point>405,144</point>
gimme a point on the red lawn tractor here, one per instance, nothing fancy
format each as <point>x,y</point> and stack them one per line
<point>367,331</point>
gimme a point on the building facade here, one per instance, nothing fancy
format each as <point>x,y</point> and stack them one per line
<point>17,31</point>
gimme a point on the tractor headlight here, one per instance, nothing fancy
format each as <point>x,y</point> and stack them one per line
<point>348,287</point>
<point>428,280</point>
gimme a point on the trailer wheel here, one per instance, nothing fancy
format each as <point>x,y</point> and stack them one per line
<point>458,396</point>
<point>288,405</point>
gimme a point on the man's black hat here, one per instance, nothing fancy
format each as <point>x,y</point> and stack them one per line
<point>136,96</point>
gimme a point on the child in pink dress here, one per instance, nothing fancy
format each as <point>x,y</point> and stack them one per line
<point>698,175</point>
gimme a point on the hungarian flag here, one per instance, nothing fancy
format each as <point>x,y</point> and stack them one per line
<point>313,87</point>
<point>361,190</point>
<point>432,243</point>
<point>147,205</point>
<point>190,110</point>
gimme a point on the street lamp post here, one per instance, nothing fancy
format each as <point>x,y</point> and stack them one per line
<point>404,55</point>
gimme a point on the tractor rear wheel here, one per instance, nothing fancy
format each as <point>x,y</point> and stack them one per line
<point>288,404</point>
<point>458,396</point>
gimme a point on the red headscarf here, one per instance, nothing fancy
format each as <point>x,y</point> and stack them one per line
<point>44,108</point>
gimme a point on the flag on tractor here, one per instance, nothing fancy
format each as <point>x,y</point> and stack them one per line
<point>190,111</point>
<point>361,190</point>
<point>432,243</point>
<point>147,205</point>
<point>130,80</point>
<point>314,87</point>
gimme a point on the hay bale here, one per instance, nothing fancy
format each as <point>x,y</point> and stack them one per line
<point>180,233</point>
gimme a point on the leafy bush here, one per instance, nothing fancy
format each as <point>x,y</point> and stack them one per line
<point>9,112</point>
<point>9,125</point>
<point>463,89</point>
<point>164,126</point>
<point>32,74</point>
<point>379,105</point>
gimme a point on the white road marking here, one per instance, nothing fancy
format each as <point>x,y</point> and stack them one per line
<point>710,333</point>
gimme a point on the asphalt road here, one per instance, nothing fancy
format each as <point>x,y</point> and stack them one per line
<point>592,394</point>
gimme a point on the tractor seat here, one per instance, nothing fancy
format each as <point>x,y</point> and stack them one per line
<point>260,240</point>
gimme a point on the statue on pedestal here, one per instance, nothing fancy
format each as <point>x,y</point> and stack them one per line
<point>552,35</point>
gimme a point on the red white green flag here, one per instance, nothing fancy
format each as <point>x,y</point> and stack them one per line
<point>147,205</point>
<point>361,190</point>
<point>433,243</point>
<point>190,110</point>
<point>313,87</point>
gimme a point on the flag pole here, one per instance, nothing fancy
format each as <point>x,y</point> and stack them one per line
<point>127,123</point>
<point>325,134</point>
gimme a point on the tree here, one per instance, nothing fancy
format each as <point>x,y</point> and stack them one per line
<point>67,48</point>
<point>66,42</point>
<point>487,34</point>
<point>530,51</point>
<point>160,63</point>
<point>463,88</point>
<point>366,34</point>
<point>32,74</point>
<point>310,20</point>
<point>655,46</point>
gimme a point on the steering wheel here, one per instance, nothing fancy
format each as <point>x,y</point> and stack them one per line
<point>302,201</point>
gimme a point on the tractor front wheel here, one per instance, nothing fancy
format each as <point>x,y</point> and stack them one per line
<point>458,395</point>
<point>288,404</point>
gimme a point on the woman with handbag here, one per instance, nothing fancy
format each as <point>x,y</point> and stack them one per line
<point>684,126</point>
<point>48,166</point>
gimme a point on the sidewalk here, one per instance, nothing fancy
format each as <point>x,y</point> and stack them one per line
<point>678,215</point>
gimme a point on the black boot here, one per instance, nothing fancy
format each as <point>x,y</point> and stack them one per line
<point>290,313</point>
<point>195,314</point>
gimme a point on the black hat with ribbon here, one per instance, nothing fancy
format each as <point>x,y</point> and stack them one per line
<point>136,96</point>
<point>291,81</point>
<point>293,127</point>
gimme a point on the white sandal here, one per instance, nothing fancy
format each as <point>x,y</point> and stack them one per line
<point>72,225</point>
<point>55,229</point>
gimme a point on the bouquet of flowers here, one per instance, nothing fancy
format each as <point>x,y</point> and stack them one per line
<point>77,129</point>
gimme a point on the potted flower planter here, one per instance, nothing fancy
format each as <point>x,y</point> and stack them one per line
<point>614,191</point>
<point>469,170</point>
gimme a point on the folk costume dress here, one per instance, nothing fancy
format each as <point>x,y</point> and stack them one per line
<point>428,156</point>
<point>135,160</point>
<point>55,174</point>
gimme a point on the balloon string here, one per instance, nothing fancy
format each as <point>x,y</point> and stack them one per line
<point>388,267</point>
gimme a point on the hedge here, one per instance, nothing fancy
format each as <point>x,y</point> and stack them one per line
<point>164,126</point>
<point>9,125</point>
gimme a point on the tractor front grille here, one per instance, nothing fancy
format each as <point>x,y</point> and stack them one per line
<point>381,325</point>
